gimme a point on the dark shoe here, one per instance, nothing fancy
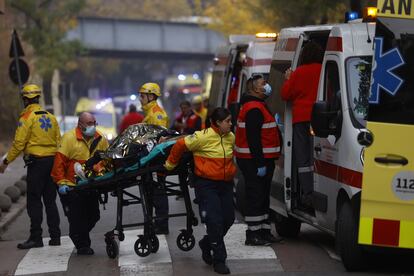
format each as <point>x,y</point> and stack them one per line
<point>205,253</point>
<point>85,251</point>
<point>30,244</point>
<point>54,242</point>
<point>221,268</point>
<point>256,241</point>
<point>270,238</point>
<point>161,230</point>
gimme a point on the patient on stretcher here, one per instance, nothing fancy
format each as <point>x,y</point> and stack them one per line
<point>134,148</point>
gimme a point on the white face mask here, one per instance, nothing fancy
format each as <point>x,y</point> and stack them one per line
<point>268,90</point>
<point>89,131</point>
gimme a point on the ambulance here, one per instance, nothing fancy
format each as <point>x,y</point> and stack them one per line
<point>363,126</point>
<point>235,63</point>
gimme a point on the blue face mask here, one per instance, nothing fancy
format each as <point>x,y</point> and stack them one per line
<point>89,131</point>
<point>268,90</point>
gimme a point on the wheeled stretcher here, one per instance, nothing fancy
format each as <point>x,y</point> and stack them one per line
<point>145,173</point>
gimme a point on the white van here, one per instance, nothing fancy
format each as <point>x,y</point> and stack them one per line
<point>235,63</point>
<point>339,124</point>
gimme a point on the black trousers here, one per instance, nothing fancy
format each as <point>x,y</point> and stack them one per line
<point>82,210</point>
<point>40,186</point>
<point>303,156</point>
<point>257,191</point>
<point>160,202</point>
<point>217,212</point>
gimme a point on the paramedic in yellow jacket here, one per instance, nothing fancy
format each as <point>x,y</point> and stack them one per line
<point>82,209</point>
<point>156,115</point>
<point>37,136</point>
<point>212,149</point>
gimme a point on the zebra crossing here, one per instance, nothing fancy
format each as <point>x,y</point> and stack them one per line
<point>167,261</point>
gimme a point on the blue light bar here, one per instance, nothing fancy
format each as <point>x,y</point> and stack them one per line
<point>351,15</point>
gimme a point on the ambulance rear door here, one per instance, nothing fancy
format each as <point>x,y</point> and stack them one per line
<point>387,199</point>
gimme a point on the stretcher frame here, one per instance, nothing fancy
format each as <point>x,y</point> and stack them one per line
<point>143,177</point>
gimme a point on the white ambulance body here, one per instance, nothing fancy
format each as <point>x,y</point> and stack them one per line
<point>338,157</point>
<point>235,63</point>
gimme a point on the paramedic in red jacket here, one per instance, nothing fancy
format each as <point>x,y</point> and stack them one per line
<point>257,147</point>
<point>301,88</point>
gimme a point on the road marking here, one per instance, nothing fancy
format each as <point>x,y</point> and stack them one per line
<point>155,264</point>
<point>236,249</point>
<point>47,258</point>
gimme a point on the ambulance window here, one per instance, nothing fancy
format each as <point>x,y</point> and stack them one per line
<point>358,73</point>
<point>276,80</point>
<point>332,93</point>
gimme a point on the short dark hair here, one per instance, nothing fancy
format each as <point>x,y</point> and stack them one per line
<point>132,108</point>
<point>311,53</point>
<point>252,82</point>
<point>219,114</point>
<point>186,103</point>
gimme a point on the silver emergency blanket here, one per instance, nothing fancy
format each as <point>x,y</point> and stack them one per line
<point>139,134</point>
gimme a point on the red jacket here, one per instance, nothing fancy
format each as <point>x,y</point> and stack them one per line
<point>131,118</point>
<point>301,89</point>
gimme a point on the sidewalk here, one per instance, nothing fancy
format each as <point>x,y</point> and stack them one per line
<point>13,173</point>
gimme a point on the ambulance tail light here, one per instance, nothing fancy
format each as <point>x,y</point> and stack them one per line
<point>369,14</point>
<point>351,15</point>
<point>334,44</point>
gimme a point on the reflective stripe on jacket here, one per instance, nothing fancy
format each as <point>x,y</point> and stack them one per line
<point>269,134</point>
<point>155,115</point>
<point>37,134</point>
<point>73,148</point>
<point>213,154</point>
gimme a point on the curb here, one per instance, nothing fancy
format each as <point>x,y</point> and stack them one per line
<point>12,214</point>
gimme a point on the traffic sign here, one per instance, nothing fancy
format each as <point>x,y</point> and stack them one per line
<point>19,48</point>
<point>24,71</point>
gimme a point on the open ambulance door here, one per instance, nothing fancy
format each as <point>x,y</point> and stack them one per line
<point>387,199</point>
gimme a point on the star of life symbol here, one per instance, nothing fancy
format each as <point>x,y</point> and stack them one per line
<point>45,123</point>
<point>382,75</point>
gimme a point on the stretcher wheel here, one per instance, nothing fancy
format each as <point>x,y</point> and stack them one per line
<point>112,248</point>
<point>121,236</point>
<point>142,246</point>
<point>155,244</point>
<point>185,240</point>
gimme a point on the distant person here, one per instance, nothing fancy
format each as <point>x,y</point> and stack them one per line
<point>132,118</point>
<point>301,88</point>
<point>199,109</point>
<point>81,208</point>
<point>37,136</point>
<point>187,122</point>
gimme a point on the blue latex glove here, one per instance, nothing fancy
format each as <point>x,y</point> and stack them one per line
<point>261,171</point>
<point>64,189</point>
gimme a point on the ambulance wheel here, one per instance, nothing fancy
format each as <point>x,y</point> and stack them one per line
<point>351,252</point>
<point>287,226</point>
<point>112,248</point>
<point>142,246</point>
<point>185,241</point>
<point>155,244</point>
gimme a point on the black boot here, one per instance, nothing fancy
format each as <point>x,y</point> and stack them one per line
<point>221,268</point>
<point>255,239</point>
<point>30,244</point>
<point>205,251</point>
<point>267,236</point>
<point>54,241</point>
<point>85,251</point>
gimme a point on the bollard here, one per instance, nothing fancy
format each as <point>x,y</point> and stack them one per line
<point>13,192</point>
<point>22,186</point>
<point>5,203</point>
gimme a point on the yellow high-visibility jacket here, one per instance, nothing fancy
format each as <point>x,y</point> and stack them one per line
<point>213,154</point>
<point>37,134</point>
<point>155,115</point>
<point>74,148</point>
